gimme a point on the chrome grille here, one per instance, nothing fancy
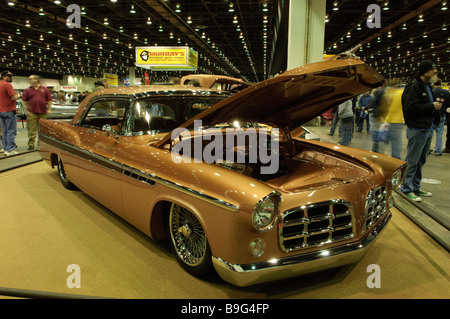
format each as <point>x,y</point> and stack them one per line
<point>315,225</point>
<point>375,206</point>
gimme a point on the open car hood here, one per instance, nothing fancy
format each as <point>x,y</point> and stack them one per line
<point>293,98</point>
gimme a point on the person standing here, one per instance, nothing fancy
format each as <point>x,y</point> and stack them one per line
<point>440,93</point>
<point>380,107</point>
<point>419,107</point>
<point>395,120</point>
<point>335,120</point>
<point>364,102</point>
<point>345,113</point>
<point>37,101</point>
<point>8,117</point>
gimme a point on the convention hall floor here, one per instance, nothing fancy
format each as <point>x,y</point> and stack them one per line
<point>45,228</point>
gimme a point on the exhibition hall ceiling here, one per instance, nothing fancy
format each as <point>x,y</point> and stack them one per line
<point>232,37</point>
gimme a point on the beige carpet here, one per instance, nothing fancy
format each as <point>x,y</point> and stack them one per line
<point>45,228</point>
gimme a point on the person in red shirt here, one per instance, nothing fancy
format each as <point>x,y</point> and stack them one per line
<point>37,101</point>
<point>8,117</point>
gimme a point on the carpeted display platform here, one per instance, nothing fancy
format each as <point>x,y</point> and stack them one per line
<point>45,228</point>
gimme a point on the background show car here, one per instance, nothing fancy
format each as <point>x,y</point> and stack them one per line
<point>144,159</point>
<point>216,82</point>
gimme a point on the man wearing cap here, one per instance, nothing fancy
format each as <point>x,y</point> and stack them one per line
<point>420,108</point>
<point>8,117</point>
<point>37,101</point>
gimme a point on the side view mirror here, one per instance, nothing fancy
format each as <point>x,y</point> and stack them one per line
<point>108,129</point>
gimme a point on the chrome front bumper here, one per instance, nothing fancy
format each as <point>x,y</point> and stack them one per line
<point>272,270</point>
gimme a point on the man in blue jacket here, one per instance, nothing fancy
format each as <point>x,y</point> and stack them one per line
<point>420,108</point>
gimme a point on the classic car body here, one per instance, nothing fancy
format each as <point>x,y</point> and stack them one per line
<point>321,207</point>
<point>59,110</point>
<point>217,82</point>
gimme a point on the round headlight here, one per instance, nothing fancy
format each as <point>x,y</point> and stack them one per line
<point>264,213</point>
<point>396,178</point>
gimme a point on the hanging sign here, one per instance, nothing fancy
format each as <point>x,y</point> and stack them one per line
<point>113,79</point>
<point>166,58</point>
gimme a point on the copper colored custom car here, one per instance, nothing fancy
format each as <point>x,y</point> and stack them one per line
<point>144,158</point>
<point>218,82</point>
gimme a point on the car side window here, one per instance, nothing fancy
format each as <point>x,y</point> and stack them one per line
<point>106,112</point>
<point>151,116</point>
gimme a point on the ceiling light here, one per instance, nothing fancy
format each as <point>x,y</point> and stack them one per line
<point>105,21</point>
<point>113,0</point>
<point>149,21</point>
<point>327,19</point>
<point>404,27</point>
<point>57,2</point>
<point>41,11</point>
<point>231,7</point>
<point>235,20</point>
<point>132,9</point>
<point>335,6</point>
<point>265,7</point>
<point>11,2</point>
<point>386,6</point>
<point>444,6</point>
<point>189,20</point>
<point>420,17</point>
<point>27,23</point>
<point>177,8</point>
<point>161,28</point>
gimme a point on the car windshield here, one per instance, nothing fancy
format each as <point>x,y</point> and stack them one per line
<point>152,115</point>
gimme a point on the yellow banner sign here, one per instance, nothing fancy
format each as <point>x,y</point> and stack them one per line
<point>166,57</point>
<point>113,79</point>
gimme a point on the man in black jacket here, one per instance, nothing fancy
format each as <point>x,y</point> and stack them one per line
<point>420,108</point>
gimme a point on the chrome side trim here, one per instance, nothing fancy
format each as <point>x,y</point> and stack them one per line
<point>288,267</point>
<point>131,172</point>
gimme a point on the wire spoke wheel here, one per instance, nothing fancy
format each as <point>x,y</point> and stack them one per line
<point>189,241</point>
